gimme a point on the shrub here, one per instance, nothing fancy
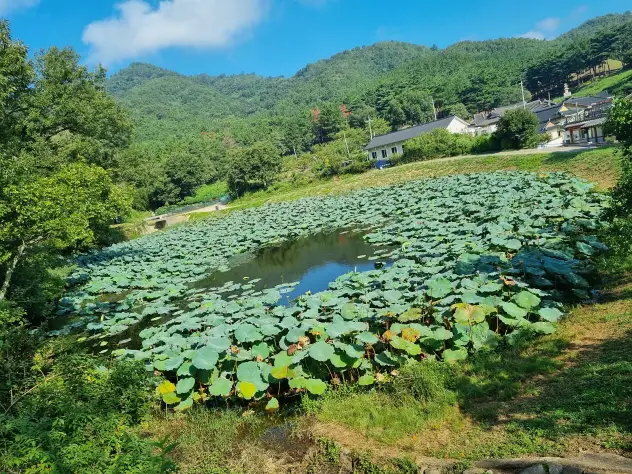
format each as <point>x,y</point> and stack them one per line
<point>517,129</point>
<point>79,417</point>
<point>439,143</point>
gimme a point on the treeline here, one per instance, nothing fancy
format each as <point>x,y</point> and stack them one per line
<point>582,58</point>
<point>61,138</point>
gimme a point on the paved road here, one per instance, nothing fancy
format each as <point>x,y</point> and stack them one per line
<point>530,151</point>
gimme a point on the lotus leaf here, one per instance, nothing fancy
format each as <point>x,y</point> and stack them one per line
<point>315,386</point>
<point>367,338</point>
<point>205,358</point>
<point>247,389</point>
<point>170,398</point>
<point>221,387</point>
<point>165,387</point>
<point>439,288</point>
<point>550,314</point>
<point>185,385</point>
<point>273,405</point>
<point>454,355</point>
<point>543,328</point>
<point>321,351</point>
<point>513,310</point>
<point>280,373</point>
<point>526,300</point>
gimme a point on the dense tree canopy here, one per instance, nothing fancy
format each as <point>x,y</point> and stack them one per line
<point>59,128</point>
<point>252,167</point>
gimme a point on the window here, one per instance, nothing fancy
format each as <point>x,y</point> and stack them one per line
<point>394,150</point>
<point>374,155</point>
<point>384,154</point>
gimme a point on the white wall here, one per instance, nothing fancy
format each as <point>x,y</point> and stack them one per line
<point>389,152</point>
<point>456,126</point>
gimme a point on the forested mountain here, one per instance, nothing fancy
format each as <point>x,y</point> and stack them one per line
<point>199,102</point>
<point>590,27</point>
<point>200,120</point>
<point>392,80</point>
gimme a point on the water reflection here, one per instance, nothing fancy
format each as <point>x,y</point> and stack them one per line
<point>313,261</point>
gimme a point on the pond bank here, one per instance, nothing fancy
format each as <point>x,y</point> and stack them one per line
<point>565,395</point>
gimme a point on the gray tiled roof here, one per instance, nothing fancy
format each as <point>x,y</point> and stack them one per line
<point>586,101</point>
<point>545,115</point>
<point>487,118</point>
<point>408,133</point>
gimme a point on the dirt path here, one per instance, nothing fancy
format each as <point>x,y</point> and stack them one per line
<point>213,208</point>
<point>528,151</point>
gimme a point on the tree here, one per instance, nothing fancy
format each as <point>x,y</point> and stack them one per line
<point>619,124</point>
<point>330,121</point>
<point>254,166</point>
<point>63,210</point>
<point>379,126</point>
<point>518,128</point>
<point>395,114</point>
<point>182,174</point>
<point>459,110</point>
<point>57,124</point>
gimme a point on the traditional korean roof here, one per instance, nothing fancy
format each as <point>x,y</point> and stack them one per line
<point>588,123</point>
<point>484,119</point>
<point>587,101</point>
<point>412,132</point>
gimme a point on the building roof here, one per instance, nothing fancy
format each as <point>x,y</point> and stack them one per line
<point>595,122</point>
<point>484,119</point>
<point>588,101</point>
<point>547,114</point>
<point>588,123</point>
<point>412,132</point>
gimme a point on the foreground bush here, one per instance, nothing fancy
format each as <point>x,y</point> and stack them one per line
<point>78,417</point>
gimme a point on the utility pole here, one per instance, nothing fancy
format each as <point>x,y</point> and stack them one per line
<point>347,144</point>
<point>434,109</point>
<point>524,102</point>
<point>295,155</point>
<point>370,128</point>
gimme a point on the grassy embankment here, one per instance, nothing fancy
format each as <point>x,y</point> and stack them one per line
<point>598,166</point>
<point>619,84</point>
<point>560,394</point>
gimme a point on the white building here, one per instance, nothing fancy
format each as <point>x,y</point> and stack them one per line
<point>384,147</point>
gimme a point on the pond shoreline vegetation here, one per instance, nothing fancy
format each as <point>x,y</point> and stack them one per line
<point>492,317</point>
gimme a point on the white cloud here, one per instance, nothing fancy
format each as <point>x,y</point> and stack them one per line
<point>533,34</point>
<point>543,29</point>
<point>9,5</point>
<point>139,29</point>
<point>548,24</point>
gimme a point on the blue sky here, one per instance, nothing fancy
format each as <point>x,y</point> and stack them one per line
<point>275,37</point>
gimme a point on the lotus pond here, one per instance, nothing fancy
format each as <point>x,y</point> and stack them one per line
<point>474,261</point>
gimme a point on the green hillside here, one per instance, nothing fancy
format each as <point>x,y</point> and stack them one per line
<point>391,80</point>
<point>189,129</point>
<point>590,27</point>
<point>619,84</point>
<point>166,102</point>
